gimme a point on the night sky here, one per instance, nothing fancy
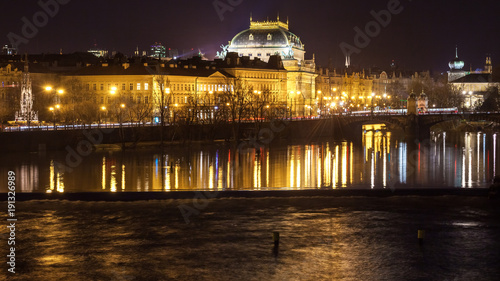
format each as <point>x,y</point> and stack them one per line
<point>422,36</point>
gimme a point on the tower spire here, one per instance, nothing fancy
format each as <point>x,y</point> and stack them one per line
<point>251,18</point>
<point>456,51</point>
<point>278,16</point>
<point>347,61</point>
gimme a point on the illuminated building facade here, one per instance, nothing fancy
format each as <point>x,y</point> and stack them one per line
<point>100,53</point>
<point>158,51</point>
<point>182,82</point>
<point>267,38</point>
<point>359,91</point>
<point>472,84</point>
<point>9,50</point>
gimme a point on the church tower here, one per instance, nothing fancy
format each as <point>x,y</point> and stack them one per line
<point>488,68</point>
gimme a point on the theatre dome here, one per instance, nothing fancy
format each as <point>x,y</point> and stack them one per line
<point>267,38</point>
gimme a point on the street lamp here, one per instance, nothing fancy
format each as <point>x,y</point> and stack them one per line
<point>103,109</point>
<point>57,92</point>
<point>53,110</point>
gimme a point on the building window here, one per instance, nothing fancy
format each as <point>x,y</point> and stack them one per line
<point>102,99</point>
<point>101,87</point>
<point>249,55</point>
<point>131,86</point>
<point>138,99</point>
<point>138,86</point>
<point>146,86</point>
<point>146,99</point>
<point>123,86</point>
<point>94,87</point>
<point>87,87</point>
<point>259,55</point>
<point>268,54</point>
<point>269,37</point>
<point>250,37</point>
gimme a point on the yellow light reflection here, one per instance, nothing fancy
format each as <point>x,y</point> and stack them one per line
<point>267,168</point>
<point>123,177</point>
<point>113,179</point>
<point>103,172</point>
<point>211,177</point>
<point>344,164</point>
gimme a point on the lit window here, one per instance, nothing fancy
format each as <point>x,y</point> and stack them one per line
<point>146,87</point>
<point>250,37</point>
<point>138,87</point>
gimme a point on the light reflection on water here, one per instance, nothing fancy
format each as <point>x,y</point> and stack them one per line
<point>381,160</point>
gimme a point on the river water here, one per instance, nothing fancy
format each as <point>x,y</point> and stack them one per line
<point>321,238</point>
<point>346,238</point>
<point>383,159</point>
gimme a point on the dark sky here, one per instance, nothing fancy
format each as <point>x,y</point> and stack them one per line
<point>422,36</point>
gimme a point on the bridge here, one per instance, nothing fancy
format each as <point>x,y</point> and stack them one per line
<point>414,125</point>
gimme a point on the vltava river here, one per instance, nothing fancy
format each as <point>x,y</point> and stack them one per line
<point>382,160</point>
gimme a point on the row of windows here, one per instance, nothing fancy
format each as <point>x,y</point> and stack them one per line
<point>123,86</point>
<point>261,75</point>
<point>258,54</point>
<point>141,99</point>
<point>269,37</point>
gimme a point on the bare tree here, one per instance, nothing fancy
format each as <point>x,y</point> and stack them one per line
<point>237,98</point>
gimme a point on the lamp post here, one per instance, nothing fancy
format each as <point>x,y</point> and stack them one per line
<point>103,109</point>
<point>53,110</point>
<point>53,117</point>
<point>56,97</point>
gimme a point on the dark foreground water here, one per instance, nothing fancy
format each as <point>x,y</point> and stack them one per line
<point>348,238</point>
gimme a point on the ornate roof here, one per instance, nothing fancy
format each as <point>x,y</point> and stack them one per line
<point>456,63</point>
<point>267,34</point>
